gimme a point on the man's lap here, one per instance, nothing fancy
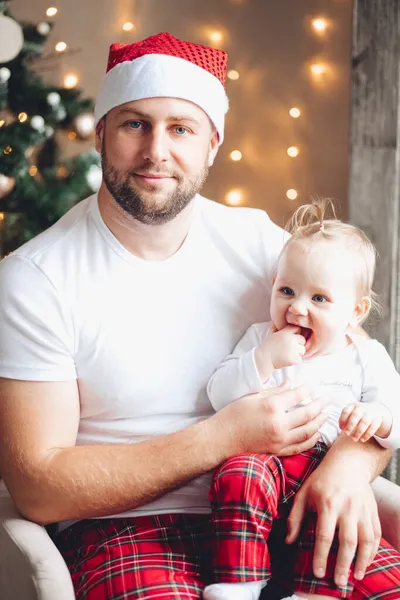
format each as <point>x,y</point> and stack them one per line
<point>163,556</point>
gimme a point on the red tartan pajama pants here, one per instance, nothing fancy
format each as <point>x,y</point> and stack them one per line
<point>174,556</point>
<point>248,494</point>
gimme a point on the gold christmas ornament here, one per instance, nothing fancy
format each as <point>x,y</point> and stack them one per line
<point>6,185</point>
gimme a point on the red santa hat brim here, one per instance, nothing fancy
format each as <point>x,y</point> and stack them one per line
<point>159,75</point>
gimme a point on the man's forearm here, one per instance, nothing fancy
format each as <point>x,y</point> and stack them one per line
<point>348,455</point>
<point>94,481</point>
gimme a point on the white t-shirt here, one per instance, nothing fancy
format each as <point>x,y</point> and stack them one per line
<point>363,371</point>
<point>141,337</point>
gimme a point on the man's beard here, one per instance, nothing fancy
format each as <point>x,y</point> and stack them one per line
<point>135,205</point>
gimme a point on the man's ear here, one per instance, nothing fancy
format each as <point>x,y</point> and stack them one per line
<point>213,148</point>
<point>100,132</point>
<point>361,311</point>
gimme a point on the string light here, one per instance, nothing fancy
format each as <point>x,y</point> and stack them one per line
<point>52,11</point>
<point>1,216</point>
<point>7,150</point>
<point>234,197</point>
<point>128,26</point>
<point>294,112</point>
<point>292,194</point>
<point>236,155</point>
<point>318,69</point>
<point>232,74</point>
<point>72,136</point>
<point>22,117</point>
<point>319,25</point>
<point>293,151</point>
<point>61,47</point>
<point>70,81</point>
<point>216,36</point>
<point>33,170</point>
<point>62,172</point>
<point>2,123</point>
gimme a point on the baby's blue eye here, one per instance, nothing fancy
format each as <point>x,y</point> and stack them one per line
<point>287,291</point>
<point>180,130</point>
<point>319,298</point>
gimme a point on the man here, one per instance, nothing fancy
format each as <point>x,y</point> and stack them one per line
<point>113,320</point>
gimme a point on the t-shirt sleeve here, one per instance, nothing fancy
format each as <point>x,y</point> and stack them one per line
<point>36,330</point>
<point>272,239</point>
<point>382,384</point>
<point>237,376</point>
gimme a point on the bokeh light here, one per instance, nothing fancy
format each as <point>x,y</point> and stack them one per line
<point>70,80</point>
<point>234,197</point>
<point>295,113</point>
<point>291,194</point>
<point>293,151</point>
<point>236,155</point>
<point>61,47</point>
<point>233,75</point>
<point>128,26</point>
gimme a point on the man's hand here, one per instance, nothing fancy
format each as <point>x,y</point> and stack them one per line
<point>361,420</point>
<point>279,349</point>
<point>265,423</point>
<point>340,493</point>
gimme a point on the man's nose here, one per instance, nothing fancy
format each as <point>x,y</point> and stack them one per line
<point>156,145</point>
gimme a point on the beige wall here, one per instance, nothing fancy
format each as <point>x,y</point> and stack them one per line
<point>269,43</point>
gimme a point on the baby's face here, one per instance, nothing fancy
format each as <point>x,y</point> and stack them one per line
<point>315,288</point>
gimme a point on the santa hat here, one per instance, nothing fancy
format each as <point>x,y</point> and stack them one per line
<point>163,65</point>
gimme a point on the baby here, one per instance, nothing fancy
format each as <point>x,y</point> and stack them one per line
<point>322,292</point>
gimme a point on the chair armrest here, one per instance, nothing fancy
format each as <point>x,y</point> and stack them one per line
<point>387,495</point>
<point>31,567</point>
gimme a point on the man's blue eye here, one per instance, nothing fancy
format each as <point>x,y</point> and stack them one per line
<point>319,298</point>
<point>180,130</point>
<point>134,124</point>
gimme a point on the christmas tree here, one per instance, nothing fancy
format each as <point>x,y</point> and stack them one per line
<point>36,186</point>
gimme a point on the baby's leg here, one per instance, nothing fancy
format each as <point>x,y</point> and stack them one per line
<point>307,597</point>
<point>244,497</point>
<point>302,596</point>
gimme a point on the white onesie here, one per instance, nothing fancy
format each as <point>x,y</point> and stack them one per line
<point>363,371</point>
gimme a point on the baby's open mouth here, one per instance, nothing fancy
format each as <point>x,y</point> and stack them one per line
<point>306,332</point>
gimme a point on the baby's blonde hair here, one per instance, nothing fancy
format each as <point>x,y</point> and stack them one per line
<point>309,222</point>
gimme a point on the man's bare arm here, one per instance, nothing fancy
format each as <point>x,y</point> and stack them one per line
<point>51,479</point>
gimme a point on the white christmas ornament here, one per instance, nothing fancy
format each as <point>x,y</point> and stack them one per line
<point>11,39</point>
<point>84,125</point>
<point>6,185</point>
<point>53,99</point>
<point>43,28</point>
<point>37,122</point>
<point>94,177</point>
<point>5,74</point>
<point>61,113</point>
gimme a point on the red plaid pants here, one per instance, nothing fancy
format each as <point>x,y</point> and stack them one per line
<point>170,556</point>
<point>248,493</point>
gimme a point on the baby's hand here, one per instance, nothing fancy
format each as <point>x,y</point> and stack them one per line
<point>280,349</point>
<point>361,420</point>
